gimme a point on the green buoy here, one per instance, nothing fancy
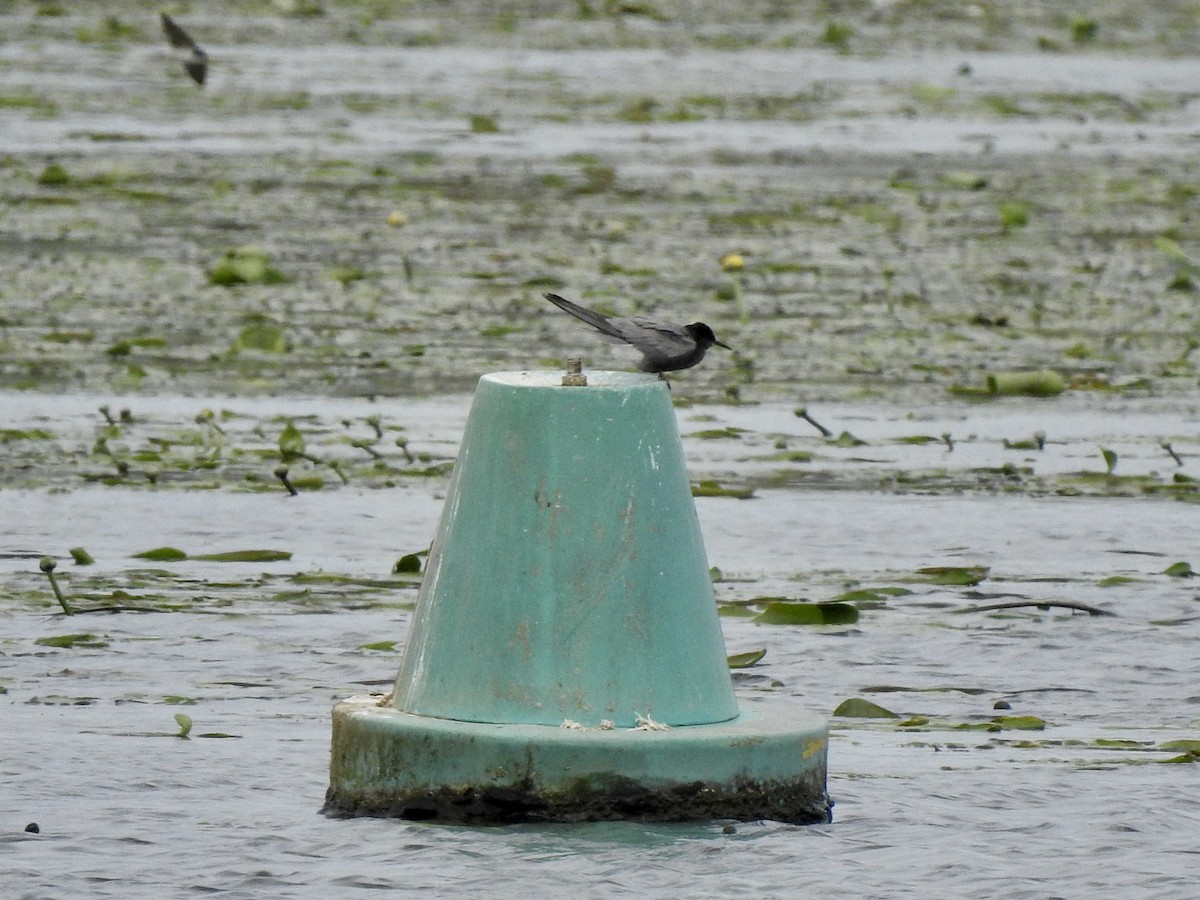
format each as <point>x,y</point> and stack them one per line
<point>565,661</point>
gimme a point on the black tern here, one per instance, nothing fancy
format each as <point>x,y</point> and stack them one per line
<point>665,347</point>
<point>195,60</point>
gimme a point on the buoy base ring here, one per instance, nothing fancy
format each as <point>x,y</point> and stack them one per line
<point>767,763</point>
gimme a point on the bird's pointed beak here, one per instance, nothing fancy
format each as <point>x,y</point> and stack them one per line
<point>726,346</point>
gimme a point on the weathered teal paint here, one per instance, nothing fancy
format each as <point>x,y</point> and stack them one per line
<point>567,597</point>
<point>568,578</point>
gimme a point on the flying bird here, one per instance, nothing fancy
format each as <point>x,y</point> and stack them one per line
<point>665,346</point>
<point>195,60</point>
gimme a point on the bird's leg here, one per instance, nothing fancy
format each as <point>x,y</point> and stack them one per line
<point>663,378</point>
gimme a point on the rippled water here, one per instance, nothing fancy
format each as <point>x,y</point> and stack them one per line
<point>127,810</point>
<point>88,739</point>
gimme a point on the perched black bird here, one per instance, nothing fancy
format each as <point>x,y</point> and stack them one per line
<point>195,60</point>
<point>665,347</point>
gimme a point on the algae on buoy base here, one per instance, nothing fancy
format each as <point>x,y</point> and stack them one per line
<point>768,763</point>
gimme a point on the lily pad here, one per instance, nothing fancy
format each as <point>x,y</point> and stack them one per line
<point>69,641</point>
<point>954,575</point>
<point>858,708</point>
<point>1180,569</point>
<point>409,564</point>
<point>871,595</point>
<point>745,660</point>
<point>256,556</point>
<point>162,554</point>
<point>1020,723</point>
<point>245,265</point>
<point>711,488</point>
<point>11,435</point>
<point>1189,757</point>
<point>481,124</point>
<point>265,337</point>
<point>291,441</point>
<point>712,434</point>
<point>1013,214</point>
<point>1046,383</point>
<point>1006,723</point>
<point>1186,745</point>
<point>385,646</point>
<point>54,175</point>
<point>846,439</point>
<point>786,613</point>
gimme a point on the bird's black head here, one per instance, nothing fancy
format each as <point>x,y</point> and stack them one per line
<point>703,335</point>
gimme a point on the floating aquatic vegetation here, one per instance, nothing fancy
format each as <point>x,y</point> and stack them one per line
<point>483,124</point>
<point>745,660</point>
<point>858,708</point>
<point>409,564</point>
<point>173,554</point>
<point>347,275</point>
<point>966,181</point>
<point>1006,723</point>
<point>846,439</point>
<point>70,337</point>
<point>262,335</point>
<point>1185,271</point>
<point>718,433</point>
<point>81,556</point>
<point>161,554</point>
<point>54,175</point>
<point>1013,214</point>
<point>1116,581</point>
<point>1190,750</point>
<point>1181,569</point>
<point>11,435</point>
<point>786,612</point>
<point>1084,29</point>
<point>291,442</point>
<point>383,646</point>
<point>1037,442</point>
<point>71,641</point>
<point>308,482</point>
<point>838,35</point>
<point>256,556</point>
<point>712,488</point>
<point>1046,383</point>
<point>966,576</point>
<point>248,264</point>
<point>871,596</point>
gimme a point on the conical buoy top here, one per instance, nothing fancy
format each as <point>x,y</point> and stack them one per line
<point>568,578</point>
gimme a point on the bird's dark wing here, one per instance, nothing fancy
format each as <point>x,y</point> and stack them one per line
<point>197,68</point>
<point>195,65</point>
<point>601,323</point>
<point>659,341</point>
<point>176,35</point>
